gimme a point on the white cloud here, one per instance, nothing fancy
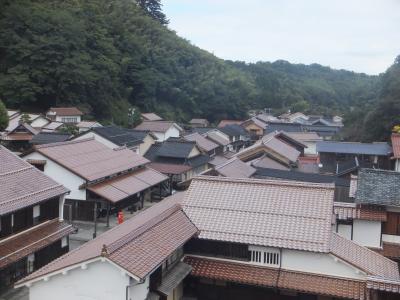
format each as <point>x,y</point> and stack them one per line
<point>359,35</point>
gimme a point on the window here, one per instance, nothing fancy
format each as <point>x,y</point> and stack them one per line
<point>264,255</point>
<point>69,119</point>
<point>31,263</point>
<point>36,214</point>
<point>64,242</point>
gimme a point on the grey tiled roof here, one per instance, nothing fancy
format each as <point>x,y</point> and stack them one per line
<point>354,148</point>
<point>49,137</point>
<point>121,136</point>
<point>378,187</point>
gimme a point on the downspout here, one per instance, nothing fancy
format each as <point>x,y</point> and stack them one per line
<point>279,270</point>
<point>141,281</point>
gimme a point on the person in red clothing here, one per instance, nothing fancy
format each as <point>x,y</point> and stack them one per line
<point>120,217</point>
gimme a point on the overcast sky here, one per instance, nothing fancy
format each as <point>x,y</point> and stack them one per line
<point>358,35</point>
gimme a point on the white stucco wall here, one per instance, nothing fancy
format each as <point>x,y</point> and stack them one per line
<point>397,165</point>
<point>98,138</point>
<point>172,132</point>
<point>99,281</point>
<point>344,230</point>
<point>321,263</point>
<point>389,238</point>
<point>61,118</point>
<point>62,176</point>
<point>367,233</point>
<point>138,291</point>
<point>311,148</point>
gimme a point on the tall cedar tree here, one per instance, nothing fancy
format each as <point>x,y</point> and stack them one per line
<point>153,9</point>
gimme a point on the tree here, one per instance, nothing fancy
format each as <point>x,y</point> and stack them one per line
<point>3,116</point>
<point>153,9</point>
<point>25,118</point>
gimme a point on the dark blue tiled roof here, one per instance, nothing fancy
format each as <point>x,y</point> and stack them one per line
<point>354,148</point>
<point>121,136</point>
<point>49,137</point>
<point>234,130</point>
<point>299,176</point>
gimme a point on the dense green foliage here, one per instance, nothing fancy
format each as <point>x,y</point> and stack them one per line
<point>375,121</point>
<point>3,117</point>
<point>109,56</point>
<point>153,9</point>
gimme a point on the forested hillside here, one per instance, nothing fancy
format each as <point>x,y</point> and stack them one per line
<point>106,56</point>
<point>375,120</point>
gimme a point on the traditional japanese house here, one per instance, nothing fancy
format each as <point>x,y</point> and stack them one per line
<point>262,239</point>
<point>396,151</point>
<point>199,123</point>
<point>50,137</point>
<point>310,139</point>
<point>163,130</point>
<point>115,137</point>
<point>139,259</point>
<point>151,117</point>
<point>344,158</point>
<point>32,230</point>
<point>178,158</point>
<point>238,136</point>
<point>101,180</point>
<point>255,127</point>
<point>19,137</point>
<point>233,167</point>
<point>272,152</point>
<point>69,115</point>
<point>206,145</point>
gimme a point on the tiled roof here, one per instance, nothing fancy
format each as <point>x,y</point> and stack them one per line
<point>201,141</point>
<point>218,160</point>
<point>88,124</point>
<point>32,240</point>
<point>90,159</point>
<point>271,143</point>
<point>22,185</point>
<point>351,211</point>
<point>223,123</point>
<point>262,212</point>
<point>50,137</point>
<point>299,176</point>
<point>156,126</point>
<point>198,121</point>
<point>256,122</point>
<point>170,168</point>
<point>396,145</point>
<point>121,136</point>
<point>52,126</point>
<point>363,258</point>
<point>235,168</point>
<point>286,138</point>
<point>121,187</point>
<point>138,245</point>
<point>234,130</point>
<point>176,148</point>
<point>305,136</point>
<point>267,162</point>
<point>66,111</point>
<point>151,117</point>
<point>354,148</point>
<point>378,187</point>
<point>215,137</point>
<point>273,277</point>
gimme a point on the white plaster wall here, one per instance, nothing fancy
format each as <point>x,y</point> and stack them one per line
<point>160,136</point>
<point>397,165</point>
<point>62,176</point>
<point>172,132</point>
<point>389,238</point>
<point>344,230</point>
<point>100,281</point>
<point>60,118</point>
<point>311,148</point>
<point>139,291</point>
<point>321,263</point>
<point>367,233</point>
<point>98,138</point>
